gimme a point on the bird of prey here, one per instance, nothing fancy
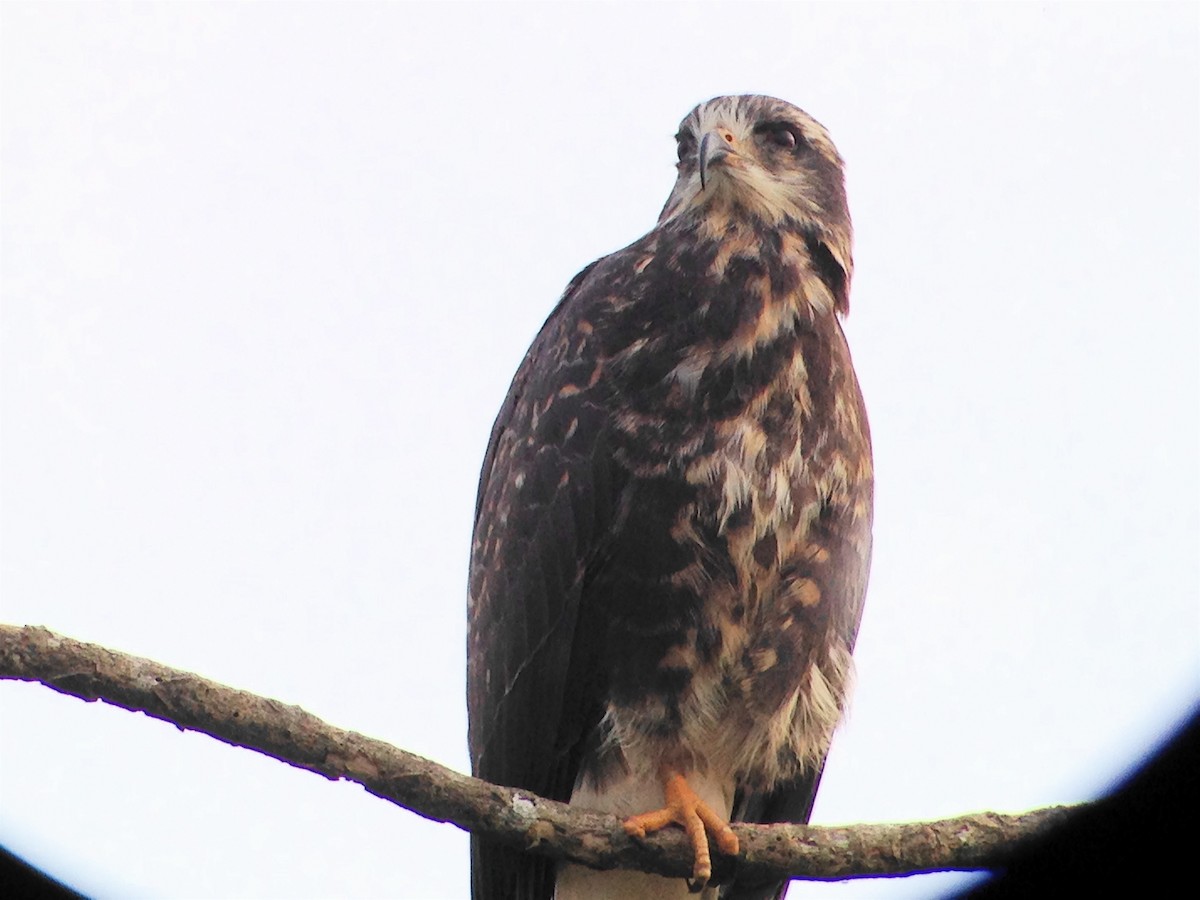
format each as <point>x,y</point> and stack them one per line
<point>673,525</point>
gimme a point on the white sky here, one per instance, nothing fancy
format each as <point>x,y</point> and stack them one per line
<point>267,271</point>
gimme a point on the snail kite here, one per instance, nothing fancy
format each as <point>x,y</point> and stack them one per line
<point>673,526</point>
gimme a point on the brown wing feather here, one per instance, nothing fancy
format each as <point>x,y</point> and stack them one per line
<point>544,501</point>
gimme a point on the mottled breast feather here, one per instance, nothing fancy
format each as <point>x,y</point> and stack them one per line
<point>673,527</point>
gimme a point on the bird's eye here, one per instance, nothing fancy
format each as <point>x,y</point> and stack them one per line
<point>780,135</point>
<point>687,146</point>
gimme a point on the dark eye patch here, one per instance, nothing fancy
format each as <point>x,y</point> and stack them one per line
<point>780,135</point>
<point>687,144</point>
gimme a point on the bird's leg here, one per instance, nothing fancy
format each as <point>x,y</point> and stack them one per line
<point>684,807</point>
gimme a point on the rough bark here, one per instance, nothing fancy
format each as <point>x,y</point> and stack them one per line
<point>518,818</point>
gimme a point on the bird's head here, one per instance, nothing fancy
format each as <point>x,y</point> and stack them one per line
<point>761,159</point>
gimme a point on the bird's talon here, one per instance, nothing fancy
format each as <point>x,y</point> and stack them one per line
<point>727,841</point>
<point>684,808</point>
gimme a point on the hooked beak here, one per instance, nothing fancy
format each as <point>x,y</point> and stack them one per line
<point>714,147</point>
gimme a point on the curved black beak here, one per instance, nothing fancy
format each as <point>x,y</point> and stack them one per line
<point>713,148</point>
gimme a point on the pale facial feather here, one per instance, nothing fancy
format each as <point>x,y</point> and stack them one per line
<point>775,190</point>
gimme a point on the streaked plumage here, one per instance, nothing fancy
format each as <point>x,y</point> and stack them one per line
<point>672,533</point>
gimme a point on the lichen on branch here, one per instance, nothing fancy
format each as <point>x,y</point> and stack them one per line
<point>514,817</point>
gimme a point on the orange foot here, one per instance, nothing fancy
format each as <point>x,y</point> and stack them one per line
<point>698,819</point>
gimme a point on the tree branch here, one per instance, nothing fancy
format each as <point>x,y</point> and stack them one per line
<point>514,817</point>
